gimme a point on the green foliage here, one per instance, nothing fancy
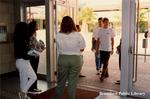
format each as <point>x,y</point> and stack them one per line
<point>143,23</point>
<point>86,15</point>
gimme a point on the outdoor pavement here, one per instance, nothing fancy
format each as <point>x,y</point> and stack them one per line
<point>92,80</point>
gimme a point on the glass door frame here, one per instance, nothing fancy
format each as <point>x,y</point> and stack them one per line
<point>128,45</point>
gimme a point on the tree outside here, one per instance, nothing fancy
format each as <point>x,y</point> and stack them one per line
<point>86,18</point>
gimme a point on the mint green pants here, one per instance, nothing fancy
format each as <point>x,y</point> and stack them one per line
<point>69,67</point>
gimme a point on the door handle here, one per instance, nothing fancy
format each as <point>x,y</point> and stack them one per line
<point>130,50</point>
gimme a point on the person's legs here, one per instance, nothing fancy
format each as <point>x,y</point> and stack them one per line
<point>30,74</point>
<point>74,71</point>
<point>97,62</point>
<point>34,61</point>
<point>82,62</point>
<point>61,76</point>
<point>27,75</point>
<point>105,59</point>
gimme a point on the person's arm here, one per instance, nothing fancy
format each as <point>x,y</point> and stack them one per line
<point>94,36</point>
<point>82,43</point>
<point>97,46</point>
<point>112,44</point>
<point>93,44</point>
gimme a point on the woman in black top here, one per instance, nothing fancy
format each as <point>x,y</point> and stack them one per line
<point>21,48</point>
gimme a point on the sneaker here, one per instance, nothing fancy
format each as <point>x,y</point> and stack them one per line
<point>34,91</point>
<point>102,78</point>
<point>37,90</point>
<point>118,83</point>
<point>81,75</point>
<point>98,73</point>
<point>106,75</point>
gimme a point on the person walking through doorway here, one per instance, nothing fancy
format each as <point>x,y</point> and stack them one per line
<point>70,45</point>
<point>97,56</point>
<point>119,53</point>
<point>79,30</point>
<point>21,48</point>
<point>105,43</point>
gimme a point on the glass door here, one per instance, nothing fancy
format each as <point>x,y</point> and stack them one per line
<point>37,13</point>
<point>135,58</point>
<point>142,53</point>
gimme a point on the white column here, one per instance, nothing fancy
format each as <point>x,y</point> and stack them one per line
<point>50,44</point>
<point>128,32</point>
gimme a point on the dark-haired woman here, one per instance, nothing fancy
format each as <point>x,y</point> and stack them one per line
<point>21,48</point>
<point>37,47</point>
<point>70,45</point>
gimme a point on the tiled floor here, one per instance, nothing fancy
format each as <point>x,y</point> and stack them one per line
<point>10,86</point>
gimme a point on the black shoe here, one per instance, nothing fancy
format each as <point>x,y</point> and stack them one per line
<point>102,78</point>
<point>117,82</point>
<point>82,76</point>
<point>98,73</point>
<point>107,75</point>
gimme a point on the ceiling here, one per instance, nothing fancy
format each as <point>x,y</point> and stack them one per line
<point>109,4</point>
<point>95,4</point>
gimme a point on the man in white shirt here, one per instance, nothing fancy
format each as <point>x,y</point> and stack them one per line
<point>105,43</point>
<point>97,56</point>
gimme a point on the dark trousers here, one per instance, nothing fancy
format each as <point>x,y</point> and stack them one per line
<point>105,55</point>
<point>34,61</point>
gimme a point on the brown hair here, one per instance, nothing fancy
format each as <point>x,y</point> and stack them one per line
<point>105,19</point>
<point>67,25</point>
<point>32,28</point>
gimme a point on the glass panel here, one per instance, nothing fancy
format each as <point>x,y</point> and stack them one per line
<point>143,53</point>
<point>37,13</point>
<point>61,12</point>
<point>3,35</point>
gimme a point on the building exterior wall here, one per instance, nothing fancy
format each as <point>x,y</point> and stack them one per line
<point>6,48</point>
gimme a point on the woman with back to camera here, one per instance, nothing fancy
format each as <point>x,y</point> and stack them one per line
<point>21,48</point>
<point>70,45</point>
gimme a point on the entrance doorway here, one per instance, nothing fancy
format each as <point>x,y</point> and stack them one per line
<point>112,11</point>
<point>134,73</point>
<point>92,80</point>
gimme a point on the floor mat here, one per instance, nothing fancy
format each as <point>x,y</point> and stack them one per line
<point>80,94</point>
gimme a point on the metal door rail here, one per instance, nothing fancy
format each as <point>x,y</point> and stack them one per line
<point>141,54</point>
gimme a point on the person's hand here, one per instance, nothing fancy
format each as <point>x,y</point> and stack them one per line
<point>97,52</point>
